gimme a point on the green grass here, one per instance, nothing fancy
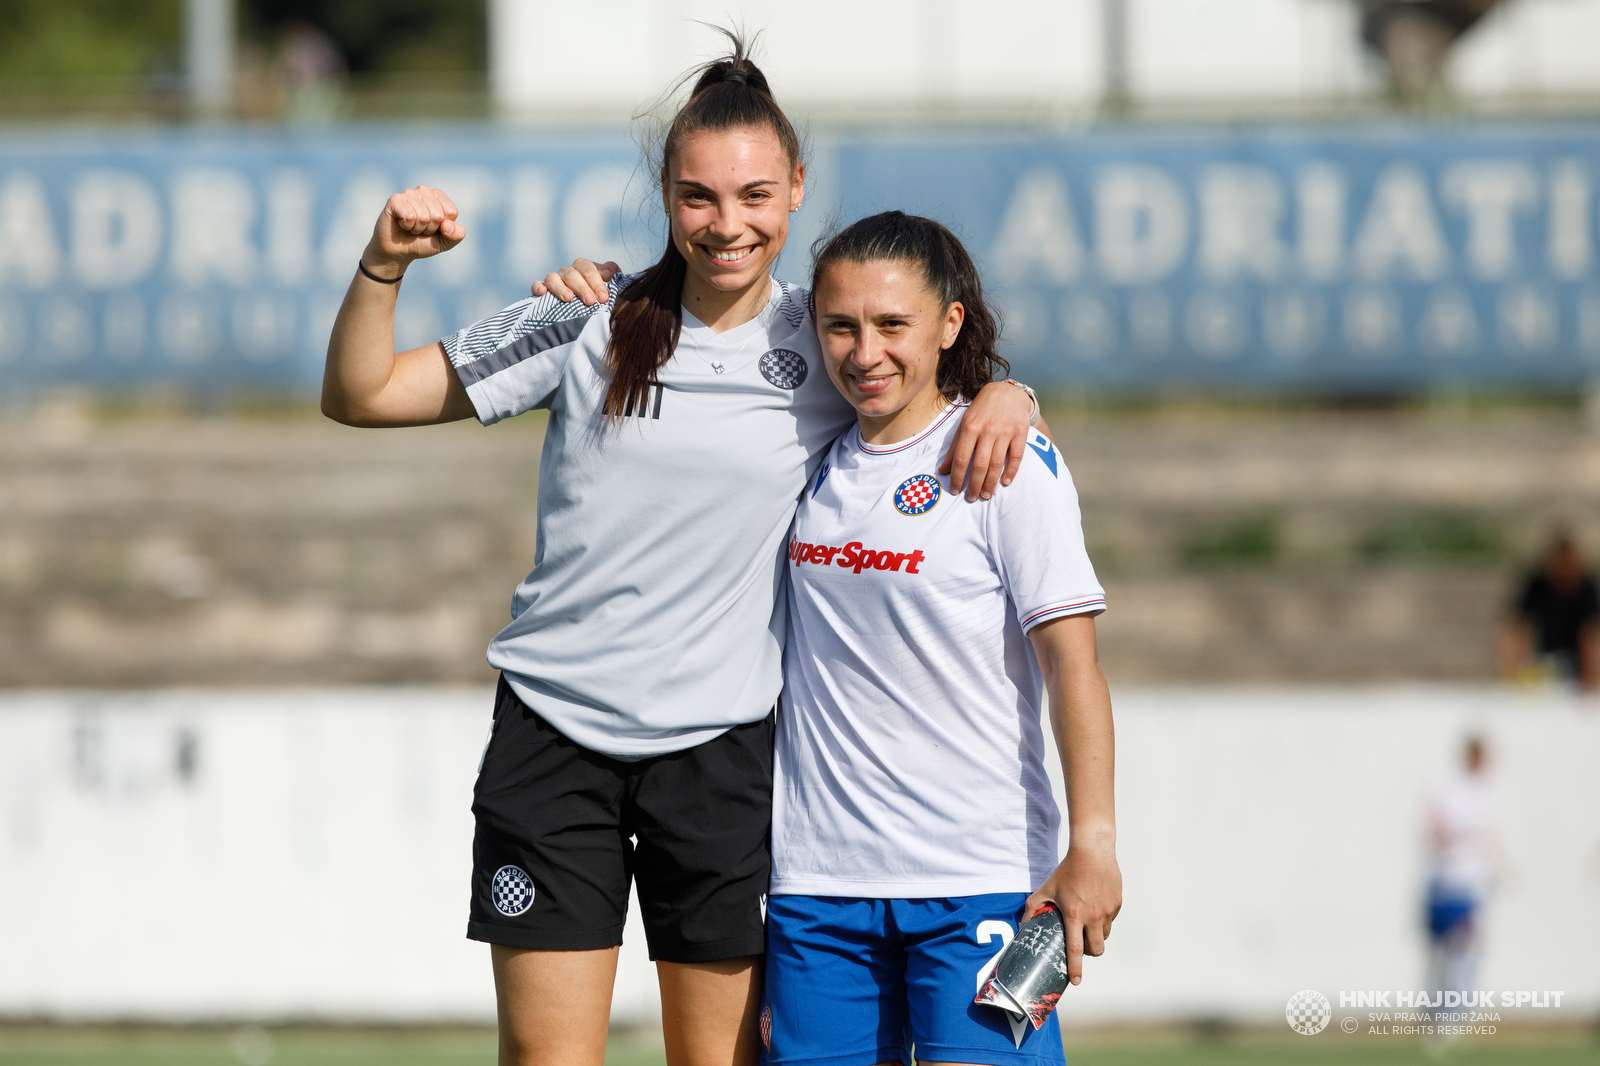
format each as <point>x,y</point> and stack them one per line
<point>46,1045</point>
<point>142,1046</point>
<point>1567,1047</point>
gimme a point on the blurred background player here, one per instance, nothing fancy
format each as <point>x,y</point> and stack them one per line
<point>1460,871</point>
<point>1554,625</point>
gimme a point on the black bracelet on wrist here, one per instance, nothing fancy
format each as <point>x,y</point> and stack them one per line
<point>381,281</point>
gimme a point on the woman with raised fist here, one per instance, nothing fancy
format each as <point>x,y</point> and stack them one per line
<point>633,726</point>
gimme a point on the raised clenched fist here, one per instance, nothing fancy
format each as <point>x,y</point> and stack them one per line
<point>415,224</point>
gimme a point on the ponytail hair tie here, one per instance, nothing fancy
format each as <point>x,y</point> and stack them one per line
<point>735,74</point>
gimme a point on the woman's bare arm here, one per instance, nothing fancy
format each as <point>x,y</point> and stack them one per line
<point>987,451</point>
<point>1087,886</point>
<point>366,382</point>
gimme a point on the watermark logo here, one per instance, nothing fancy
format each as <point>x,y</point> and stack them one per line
<point>1468,999</point>
<point>1308,1012</point>
<point>1443,1013</point>
<point>1450,1012</point>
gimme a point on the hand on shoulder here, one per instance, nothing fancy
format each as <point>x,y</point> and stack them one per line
<point>584,280</point>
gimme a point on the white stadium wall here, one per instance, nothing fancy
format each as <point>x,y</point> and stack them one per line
<point>937,59</point>
<point>1290,51</point>
<point>304,854</point>
<point>558,62</point>
<point>1532,48</point>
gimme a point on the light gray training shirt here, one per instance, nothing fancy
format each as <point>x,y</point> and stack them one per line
<point>653,619</point>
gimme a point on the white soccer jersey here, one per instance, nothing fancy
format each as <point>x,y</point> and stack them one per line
<point>1458,812</point>
<point>653,619</point>
<point>910,749</point>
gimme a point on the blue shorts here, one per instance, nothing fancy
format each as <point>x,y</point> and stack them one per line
<point>1448,911</point>
<point>853,982</point>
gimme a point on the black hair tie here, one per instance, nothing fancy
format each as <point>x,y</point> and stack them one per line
<point>735,74</point>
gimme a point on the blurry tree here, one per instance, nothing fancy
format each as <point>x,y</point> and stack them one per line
<point>1414,37</point>
<point>95,44</point>
<point>308,61</point>
<point>1248,540</point>
<point>1427,537</point>
<point>378,37</point>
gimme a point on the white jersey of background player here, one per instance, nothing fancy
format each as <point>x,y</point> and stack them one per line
<point>1461,863</point>
<point>1460,872</point>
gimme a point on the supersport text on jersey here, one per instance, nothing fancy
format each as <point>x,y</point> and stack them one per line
<point>854,556</point>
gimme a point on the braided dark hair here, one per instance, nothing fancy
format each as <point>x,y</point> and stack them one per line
<point>974,360</point>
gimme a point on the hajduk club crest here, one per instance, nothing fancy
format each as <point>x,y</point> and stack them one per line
<point>511,891</point>
<point>917,495</point>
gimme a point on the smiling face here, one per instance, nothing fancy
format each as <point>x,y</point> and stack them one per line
<point>882,330</point>
<point>728,194</point>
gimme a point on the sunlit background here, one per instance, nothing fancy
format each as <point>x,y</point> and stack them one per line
<point>1311,291</point>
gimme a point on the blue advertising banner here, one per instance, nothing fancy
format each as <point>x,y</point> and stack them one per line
<point>1367,259</point>
<point>220,258</point>
<point>1309,259</point>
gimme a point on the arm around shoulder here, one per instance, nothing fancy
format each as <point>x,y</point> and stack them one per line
<point>988,448</point>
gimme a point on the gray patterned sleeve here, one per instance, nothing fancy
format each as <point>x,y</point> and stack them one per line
<point>512,361</point>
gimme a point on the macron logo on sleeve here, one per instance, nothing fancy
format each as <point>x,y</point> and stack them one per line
<point>822,475</point>
<point>1045,450</point>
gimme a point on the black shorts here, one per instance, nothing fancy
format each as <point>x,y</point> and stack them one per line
<point>561,830</point>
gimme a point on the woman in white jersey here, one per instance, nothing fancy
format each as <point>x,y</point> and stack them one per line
<point>913,823</point>
<point>632,735</point>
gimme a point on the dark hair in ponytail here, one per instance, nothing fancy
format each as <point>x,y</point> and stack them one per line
<point>974,359</point>
<point>729,93</point>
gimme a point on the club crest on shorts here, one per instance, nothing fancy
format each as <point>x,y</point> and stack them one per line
<point>766,1027</point>
<point>784,368</point>
<point>511,890</point>
<point>917,495</point>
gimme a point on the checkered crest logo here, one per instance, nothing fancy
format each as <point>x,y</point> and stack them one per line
<point>917,495</point>
<point>1309,1012</point>
<point>784,368</point>
<point>766,1027</point>
<point>511,890</point>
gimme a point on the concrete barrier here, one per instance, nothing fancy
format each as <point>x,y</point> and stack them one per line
<point>271,854</point>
